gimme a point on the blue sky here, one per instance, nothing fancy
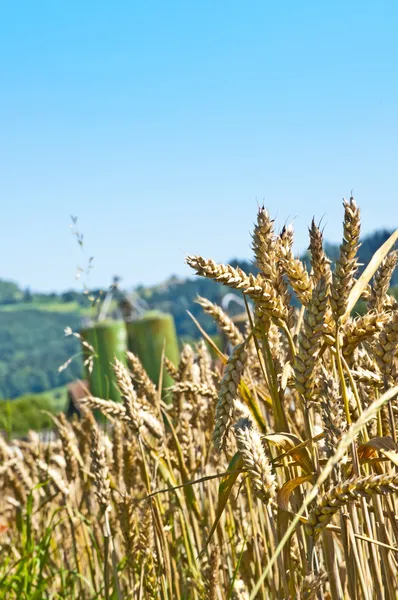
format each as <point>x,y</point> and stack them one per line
<point>162,125</point>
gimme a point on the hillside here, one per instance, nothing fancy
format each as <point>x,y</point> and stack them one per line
<point>32,347</point>
<point>32,341</point>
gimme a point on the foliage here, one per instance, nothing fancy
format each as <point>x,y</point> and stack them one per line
<point>32,348</point>
<point>10,292</point>
<point>18,416</point>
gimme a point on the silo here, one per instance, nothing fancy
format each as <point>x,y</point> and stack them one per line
<point>109,340</point>
<point>146,338</point>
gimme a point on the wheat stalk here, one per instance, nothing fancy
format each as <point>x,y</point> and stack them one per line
<point>255,460</point>
<point>227,394</point>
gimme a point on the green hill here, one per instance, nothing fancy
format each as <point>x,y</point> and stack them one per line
<point>33,347</point>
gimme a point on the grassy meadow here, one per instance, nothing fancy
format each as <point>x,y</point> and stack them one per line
<point>268,472</point>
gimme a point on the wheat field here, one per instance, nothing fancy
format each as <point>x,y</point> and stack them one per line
<point>269,473</point>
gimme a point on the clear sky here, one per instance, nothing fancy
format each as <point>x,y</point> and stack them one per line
<point>162,125</point>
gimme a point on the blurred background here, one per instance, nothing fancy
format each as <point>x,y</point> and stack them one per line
<point>133,133</point>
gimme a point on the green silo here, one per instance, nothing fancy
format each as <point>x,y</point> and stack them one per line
<point>109,340</point>
<point>146,338</point>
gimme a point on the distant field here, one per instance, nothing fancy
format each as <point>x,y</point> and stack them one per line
<point>59,307</point>
<point>57,396</point>
<point>30,411</point>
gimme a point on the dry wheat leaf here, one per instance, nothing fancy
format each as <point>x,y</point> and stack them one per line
<point>283,495</point>
<point>250,401</point>
<point>368,449</point>
<point>289,442</point>
<point>224,491</point>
